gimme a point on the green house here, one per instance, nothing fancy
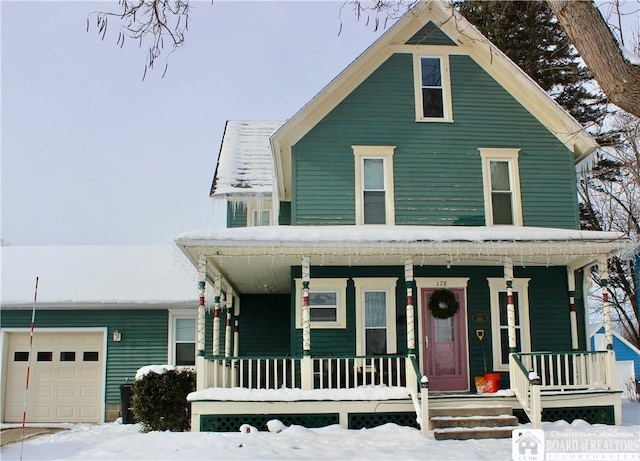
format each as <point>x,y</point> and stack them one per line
<point>407,235</point>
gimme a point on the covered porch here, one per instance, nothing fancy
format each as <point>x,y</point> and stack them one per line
<point>281,259</point>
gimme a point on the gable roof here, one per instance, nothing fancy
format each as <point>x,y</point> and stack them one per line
<point>245,166</point>
<point>468,41</point>
<point>599,329</point>
<point>93,276</point>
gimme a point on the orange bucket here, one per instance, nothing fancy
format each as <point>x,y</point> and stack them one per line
<point>492,382</point>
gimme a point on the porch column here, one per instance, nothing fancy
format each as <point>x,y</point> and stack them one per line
<point>236,327</point>
<point>410,285</point>
<point>200,327</point>
<point>571,278</point>
<point>217,288</point>
<point>511,310</point>
<point>306,365</point>
<point>606,313</point>
<point>227,330</point>
<point>201,382</point>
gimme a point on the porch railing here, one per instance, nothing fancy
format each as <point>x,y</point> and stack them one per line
<point>533,373</point>
<point>572,370</point>
<point>335,372</point>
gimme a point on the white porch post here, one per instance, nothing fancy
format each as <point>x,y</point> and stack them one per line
<point>236,327</point>
<point>571,278</point>
<point>217,288</point>
<point>306,363</point>
<point>227,330</point>
<point>606,313</point>
<point>511,310</point>
<point>410,284</point>
<point>201,375</point>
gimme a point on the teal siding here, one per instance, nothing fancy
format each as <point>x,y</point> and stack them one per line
<point>236,217</point>
<point>285,214</point>
<point>437,166</point>
<point>265,326</point>
<point>430,34</point>
<point>144,337</point>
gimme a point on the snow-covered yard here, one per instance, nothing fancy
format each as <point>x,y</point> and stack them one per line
<point>120,442</point>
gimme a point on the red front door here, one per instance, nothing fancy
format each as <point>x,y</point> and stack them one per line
<point>444,345</point>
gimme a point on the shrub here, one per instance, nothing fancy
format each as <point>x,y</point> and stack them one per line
<point>159,401</point>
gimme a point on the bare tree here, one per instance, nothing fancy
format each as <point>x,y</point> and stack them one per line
<point>594,40</point>
<point>609,194</point>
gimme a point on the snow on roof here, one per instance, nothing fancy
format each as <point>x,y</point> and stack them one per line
<point>245,165</point>
<point>149,274</point>
<point>399,234</point>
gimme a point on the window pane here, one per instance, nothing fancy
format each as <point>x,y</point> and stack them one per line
<point>323,314</point>
<point>261,218</point>
<point>373,174</point>
<point>186,354</point>
<point>443,329</point>
<point>375,309</point>
<point>68,356</point>
<point>44,356</point>
<point>500,176</point>
<point>502,297</point>
<point>432,102</point>
<point>376,341</point>
<point>90,356</point>
<point>185,329</point>
<point>374,208</point>
<point>504,344</point>
<point>323,298</point>
<point>501,207</point>
<point>20,356</point>
<point>431,72</point>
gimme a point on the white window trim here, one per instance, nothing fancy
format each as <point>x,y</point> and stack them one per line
<point>334,284</point>
<point>251,209</point>
<point>446,88</point>
<point>385,153</point>
<point>521,286</point>
<point>505,154</point>
<point>173,316</point>
<point>387,284</point>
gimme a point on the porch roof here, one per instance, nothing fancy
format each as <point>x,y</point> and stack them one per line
<point>258,259</point>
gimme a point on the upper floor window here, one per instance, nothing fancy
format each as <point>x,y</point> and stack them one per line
<point>501,179</point>
<point>327,303</point>
<point>432,87</point>
<point>258,216</point>
<point>374,184</point>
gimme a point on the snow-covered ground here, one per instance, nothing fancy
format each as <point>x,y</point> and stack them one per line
<point>114,441</point>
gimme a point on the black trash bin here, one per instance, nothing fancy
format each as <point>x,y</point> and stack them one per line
<point>126,394</point>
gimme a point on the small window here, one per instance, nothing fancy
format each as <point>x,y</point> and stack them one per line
<point>44,356</point>
<point>259,214</point>
<point>20,356</point>
<point>90,356</point>
<point>327,298</point>
<point>501,186</point>
<point>432,91</point>
<point>68,356</point>
<point>261,218</point>
<point>432,88</point>
<point>374,191</point>
<point>323,306</point>
<point>185,341</point>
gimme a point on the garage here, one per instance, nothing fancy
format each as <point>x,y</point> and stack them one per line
<point>66,381</point>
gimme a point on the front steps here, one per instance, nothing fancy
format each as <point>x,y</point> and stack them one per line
<point>472,422</point>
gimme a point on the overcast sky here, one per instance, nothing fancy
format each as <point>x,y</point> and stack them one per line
<point>91,154</point>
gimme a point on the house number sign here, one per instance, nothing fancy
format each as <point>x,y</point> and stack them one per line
<point>479,318</point>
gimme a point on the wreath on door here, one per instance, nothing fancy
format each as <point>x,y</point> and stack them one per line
<point>443,304</point>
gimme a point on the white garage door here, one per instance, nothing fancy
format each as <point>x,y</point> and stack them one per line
<point>66,377</point>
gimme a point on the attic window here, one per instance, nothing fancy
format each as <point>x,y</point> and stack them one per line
<point>432,87</point>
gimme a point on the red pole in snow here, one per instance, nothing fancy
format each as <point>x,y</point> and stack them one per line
<point>26,387</point>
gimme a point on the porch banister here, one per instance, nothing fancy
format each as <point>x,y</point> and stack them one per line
<point>200,327</point>
<point>217,288</point>
<point>306,315</point>
<point>606,313</point>
<point>571,278</point>
<point>410,284</point>
<point>511,310</point>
